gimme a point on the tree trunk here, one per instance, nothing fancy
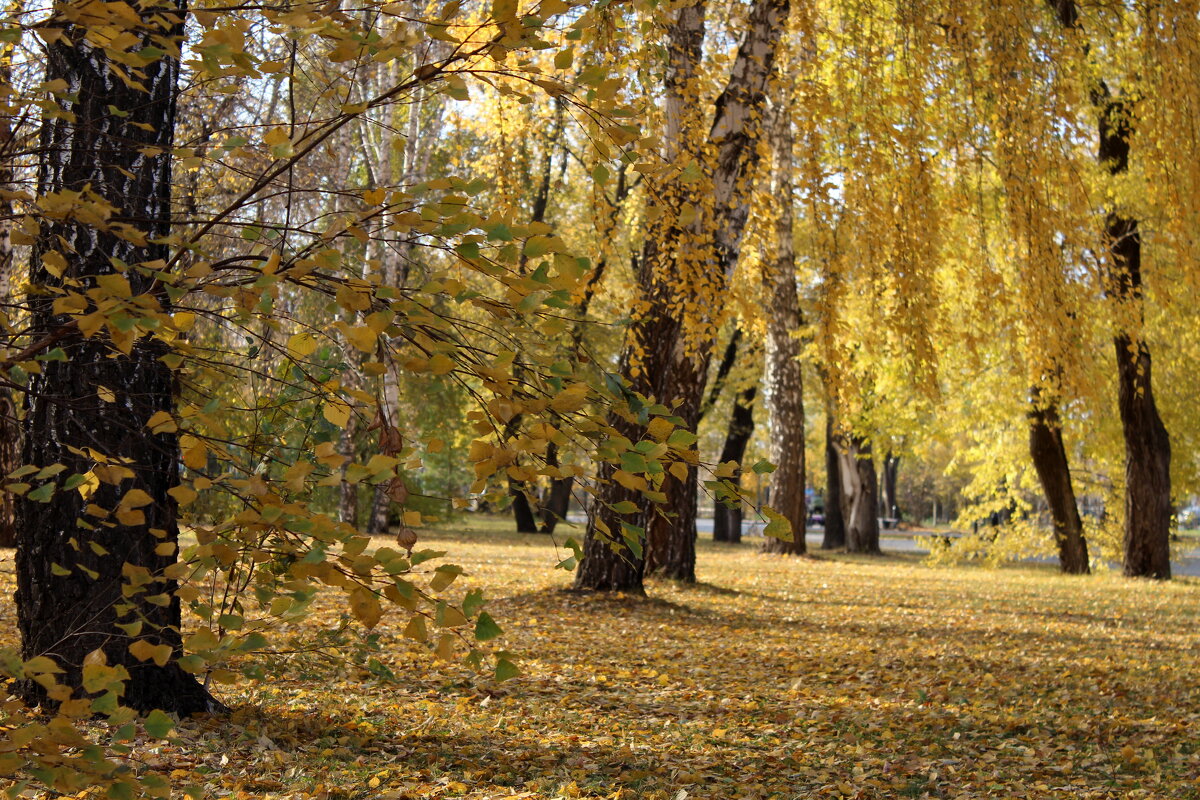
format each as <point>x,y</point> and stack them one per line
<point>727,520</point>
<point>558,500</point>
<point>348,501</point>
<point>613,548</point>
<point>1147,466</point>
<point>522,510</point>
<point>1050,460</point>
<point>558,504</point>
<point>669,367</point>
<point>1147,445</point>
<point>124,158</point>
<point>835,528</point>
<point>859,492</point>
<point>891,468</point>
<point>10,430</point>
<point>784,373</point>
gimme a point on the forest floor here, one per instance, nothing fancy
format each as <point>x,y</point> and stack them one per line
<point>833,676</point>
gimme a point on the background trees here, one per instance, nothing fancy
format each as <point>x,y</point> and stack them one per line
<point>299,275</point>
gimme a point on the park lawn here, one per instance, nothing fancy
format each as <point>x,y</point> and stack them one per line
<point>780,677</point>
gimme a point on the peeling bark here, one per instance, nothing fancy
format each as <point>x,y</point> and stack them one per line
<point>670,368</point>
<point>784,374</point>
<point>859,496</point>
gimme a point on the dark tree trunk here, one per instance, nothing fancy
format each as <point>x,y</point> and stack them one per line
<point>727,520</point>
<point>835,528</point>
<point>1147,466</point>
<point>115,557</point>
<point>559,497</point>
<point>1147,444</point>
<point>522,510</point>
<point>859,493</point>
<point>557,504</point>
<point>671,527</point>
<point>1050,459</point>
<point>891,468</point>
<point>10,431</point>
<point>612,550</point>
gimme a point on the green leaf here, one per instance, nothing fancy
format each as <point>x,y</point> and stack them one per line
<point>778,526</point>
<point>633,462</point>
<point>486,628</point>
<point>681,438</point>
<point>472,602</point>
<point>43,493</point>
<point>624,507</point>
<point>763,467</point>
<point>158,724</point>
<point>505,669</point>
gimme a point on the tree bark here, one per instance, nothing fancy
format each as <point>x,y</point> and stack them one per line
<point>835,528</point>
<point>784,374</point>
<point>688,265</point>
<point>1147,444</point>
<point>859,493</point>
<point>891,469</point>
<point>1050,460</point>
<point>727,520</point>
<point>10,430</point>
<point>522,510</point>
<point>115,565</point>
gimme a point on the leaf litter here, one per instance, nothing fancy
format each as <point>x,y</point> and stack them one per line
<point>773,677</point>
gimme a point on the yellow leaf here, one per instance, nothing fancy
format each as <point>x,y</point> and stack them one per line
<point>362,338</point>
<point>183,494</point>
<point>415,629</point>
<point>136,498</point>
<point>54,263</point>
<point>440,364</point>
<point>336,412</point>
<point>162,422</point>
<point>142,650</point>
<point>106,394</point>
<point>365,607</point>
<point>301,345</point>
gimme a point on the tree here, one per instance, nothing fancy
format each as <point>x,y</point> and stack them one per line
<point>1050,459</point>
<point>93,567</point>
<point>835,527</point>
<point>860,493</point>
<point>784,373</point>
<point>684,265</point>
<point>727,516</point>
<point>1147,444</point>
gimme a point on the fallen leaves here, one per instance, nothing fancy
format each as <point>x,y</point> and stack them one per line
<point>871,678</point>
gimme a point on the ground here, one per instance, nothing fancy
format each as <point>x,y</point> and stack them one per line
<point>780,677</point>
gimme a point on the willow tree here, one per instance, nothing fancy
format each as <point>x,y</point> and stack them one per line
<point>1147,444</point>
<point>690,250</point>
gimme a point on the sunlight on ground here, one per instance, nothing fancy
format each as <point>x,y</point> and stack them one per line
<point>773,677</point>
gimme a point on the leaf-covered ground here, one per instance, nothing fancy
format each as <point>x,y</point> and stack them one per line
<point>774,677</point>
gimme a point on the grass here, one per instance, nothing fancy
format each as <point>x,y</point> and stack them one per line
<point>833,676</point>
